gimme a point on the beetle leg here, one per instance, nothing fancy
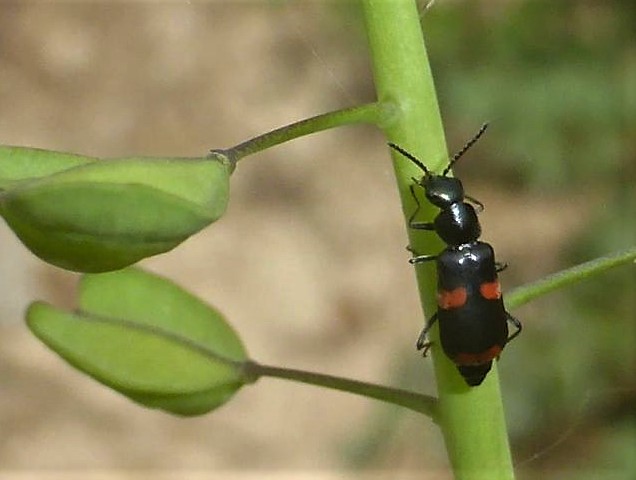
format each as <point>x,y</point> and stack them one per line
<point>500,266</point>
<point>517,325</point>
<point>479,207</point>
<point>422,344</point>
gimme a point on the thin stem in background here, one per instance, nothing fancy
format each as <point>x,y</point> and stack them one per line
<point>368,113</point>
<point>414,401</point>
<point>584,271</point>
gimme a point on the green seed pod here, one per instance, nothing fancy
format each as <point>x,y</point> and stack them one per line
<point>148,339</point>
<point>107,214</point>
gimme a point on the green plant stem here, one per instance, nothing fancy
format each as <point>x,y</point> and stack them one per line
<point>584,271</point>
<point>471,419</point>
<point>368,113</point>
<point>413,401</point>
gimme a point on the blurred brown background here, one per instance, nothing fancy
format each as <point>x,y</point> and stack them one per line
<point>309,263</point>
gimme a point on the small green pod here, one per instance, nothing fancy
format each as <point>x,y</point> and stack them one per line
<point>107,214</point>
<point>178,354</point>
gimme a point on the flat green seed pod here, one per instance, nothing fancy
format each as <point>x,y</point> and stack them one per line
<point>109,214</point>
<point>148,339</point>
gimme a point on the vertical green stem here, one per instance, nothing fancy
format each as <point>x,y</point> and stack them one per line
<point>471,419</point>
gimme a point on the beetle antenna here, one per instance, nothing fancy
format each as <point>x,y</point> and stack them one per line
<point>465,148</point>
<point>411,157</point>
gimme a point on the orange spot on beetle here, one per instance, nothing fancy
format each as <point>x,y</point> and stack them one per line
<point>447,299</point>
<point>490,290</point>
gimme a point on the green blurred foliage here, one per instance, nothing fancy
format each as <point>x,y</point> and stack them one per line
<point>555,77</point>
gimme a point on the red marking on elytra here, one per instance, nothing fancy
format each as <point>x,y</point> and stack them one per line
<point>447,299</point>
<point>478,358</point>
<point>490,290</point>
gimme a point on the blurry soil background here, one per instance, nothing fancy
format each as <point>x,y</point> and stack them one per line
<point>309,263</point>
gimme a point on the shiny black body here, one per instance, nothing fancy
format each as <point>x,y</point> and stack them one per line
<point>472,318</point>
<point>475,332</point>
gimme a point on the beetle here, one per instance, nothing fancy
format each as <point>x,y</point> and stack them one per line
<point>473,321</point>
